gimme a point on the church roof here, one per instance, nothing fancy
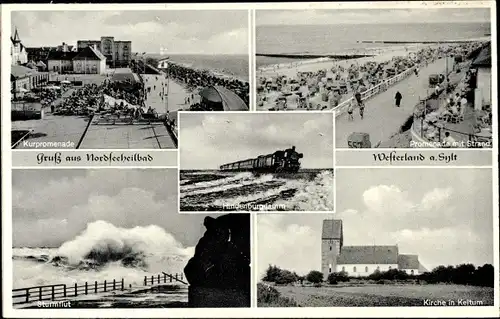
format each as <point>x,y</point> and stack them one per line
<point>332,229</point>
<point>368,255</point>
<point>408,262</point>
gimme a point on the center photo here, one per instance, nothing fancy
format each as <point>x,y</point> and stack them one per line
<point>269,161</point>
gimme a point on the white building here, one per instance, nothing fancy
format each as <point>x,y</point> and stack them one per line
<point>360,261</point>
<point>17,50</point>
<point>482,65</point>
<point>89,61</point>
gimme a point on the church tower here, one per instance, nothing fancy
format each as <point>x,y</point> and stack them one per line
<point>332,240</point>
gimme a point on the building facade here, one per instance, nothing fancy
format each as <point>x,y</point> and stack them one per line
<point>85,61</point>
<point>360,261</point>
<point>23,79</point>
<point>482,65</point>
<point>117,53</point>
<point>17,50</point>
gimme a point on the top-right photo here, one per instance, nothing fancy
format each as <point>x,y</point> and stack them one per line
<point>395,78</point>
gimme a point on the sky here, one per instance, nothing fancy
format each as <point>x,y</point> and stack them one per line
<point>50,207</point>
<point>176,31</point>
<point>442,215</point>
<point>208,140</point>
<point>366,16</point>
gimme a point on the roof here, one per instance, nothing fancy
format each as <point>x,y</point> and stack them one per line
<point>61,55</point>
<point>408,262</point>
<point>230,100</point>
<point>332,229</point>
<point>368,255</point>
<point>89,53</point>
<point>19,71</point>
<point>484,58</point>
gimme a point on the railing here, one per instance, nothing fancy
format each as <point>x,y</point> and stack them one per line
<point>52,292</point>
<point>163,279</point>
<point>381,87</point>
<point>61,291</point>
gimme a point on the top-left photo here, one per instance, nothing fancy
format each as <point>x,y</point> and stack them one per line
<point>116,79</point>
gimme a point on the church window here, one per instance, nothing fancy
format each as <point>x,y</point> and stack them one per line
<point>366,269</point>
<point>354,269</point>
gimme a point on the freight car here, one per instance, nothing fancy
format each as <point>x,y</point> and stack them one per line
<point>280,161</point>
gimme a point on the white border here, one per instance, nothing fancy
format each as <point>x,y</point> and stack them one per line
<point>352,312</point>
<point>256,114</point>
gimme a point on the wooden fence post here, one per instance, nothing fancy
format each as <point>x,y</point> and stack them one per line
<point>159,279</point>
<point>164,278</point>
<point>170,276</point>
<point>95,289</point>
<point>175,276</point>
<point>86,288</point>
<point>104,285</point>
<point>27,295</point>
<point>76,289</point>
<point>145,281</point>
<point>152,280</point>
<point>64,290</point>
<point>53,292</point>
<point>123,284</point>
<point>40,293</point>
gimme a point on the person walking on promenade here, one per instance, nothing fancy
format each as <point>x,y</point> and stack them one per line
<point>361,105</point>
<point>398,98</point>
<point>349,111</point>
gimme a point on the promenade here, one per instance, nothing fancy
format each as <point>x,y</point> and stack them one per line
<point>382,118</point>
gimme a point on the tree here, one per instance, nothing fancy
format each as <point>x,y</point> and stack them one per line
<point>336,277</point>
<point>315,276</point>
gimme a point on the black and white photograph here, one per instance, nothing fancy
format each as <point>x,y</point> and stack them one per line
<point>113,238</point>
<point>427,85</point>
<point>399,237</point>
<point>118,82</point>
<point>256,161</point>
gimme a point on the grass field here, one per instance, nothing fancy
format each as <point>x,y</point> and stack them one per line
<point>383,295</point>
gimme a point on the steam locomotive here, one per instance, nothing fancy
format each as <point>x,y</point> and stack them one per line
<point>287,161</point>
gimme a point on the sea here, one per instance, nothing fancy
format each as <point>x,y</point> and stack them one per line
<point>344,38</point>
<point>105,252</point>
<point>212,190</point>
<point>231,65</point>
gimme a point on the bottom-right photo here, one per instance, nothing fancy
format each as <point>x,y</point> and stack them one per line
<point>399,237</point>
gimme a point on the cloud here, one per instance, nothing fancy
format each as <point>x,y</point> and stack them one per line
<point>211,140</point>
<point>370,16</point>
<point>51,207</point>
<point>181,32</point>
<point>292,246</point>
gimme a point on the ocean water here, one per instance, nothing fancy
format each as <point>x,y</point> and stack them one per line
<point>341,38</point>
<point>308,190</point>
<point>233,65</point>
<point>102,252</point>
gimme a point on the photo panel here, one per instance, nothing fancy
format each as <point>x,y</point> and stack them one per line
<point>119,82</point>
<point>399,237</point>
<point>429,86</point>
<point>258,161</point>
<point>117,241</point>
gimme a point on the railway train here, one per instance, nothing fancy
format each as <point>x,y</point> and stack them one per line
<point>287,161</point>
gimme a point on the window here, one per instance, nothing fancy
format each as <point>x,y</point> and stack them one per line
<point>366,269</point>
<point>354,269</point>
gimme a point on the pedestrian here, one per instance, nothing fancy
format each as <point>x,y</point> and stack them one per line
<point>398,98</point>
<point>349,112</point>
<point>448,141</point>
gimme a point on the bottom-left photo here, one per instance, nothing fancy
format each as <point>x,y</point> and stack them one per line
<point>113,238</point>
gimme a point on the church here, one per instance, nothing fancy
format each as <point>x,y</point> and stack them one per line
<point>360,261</point>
